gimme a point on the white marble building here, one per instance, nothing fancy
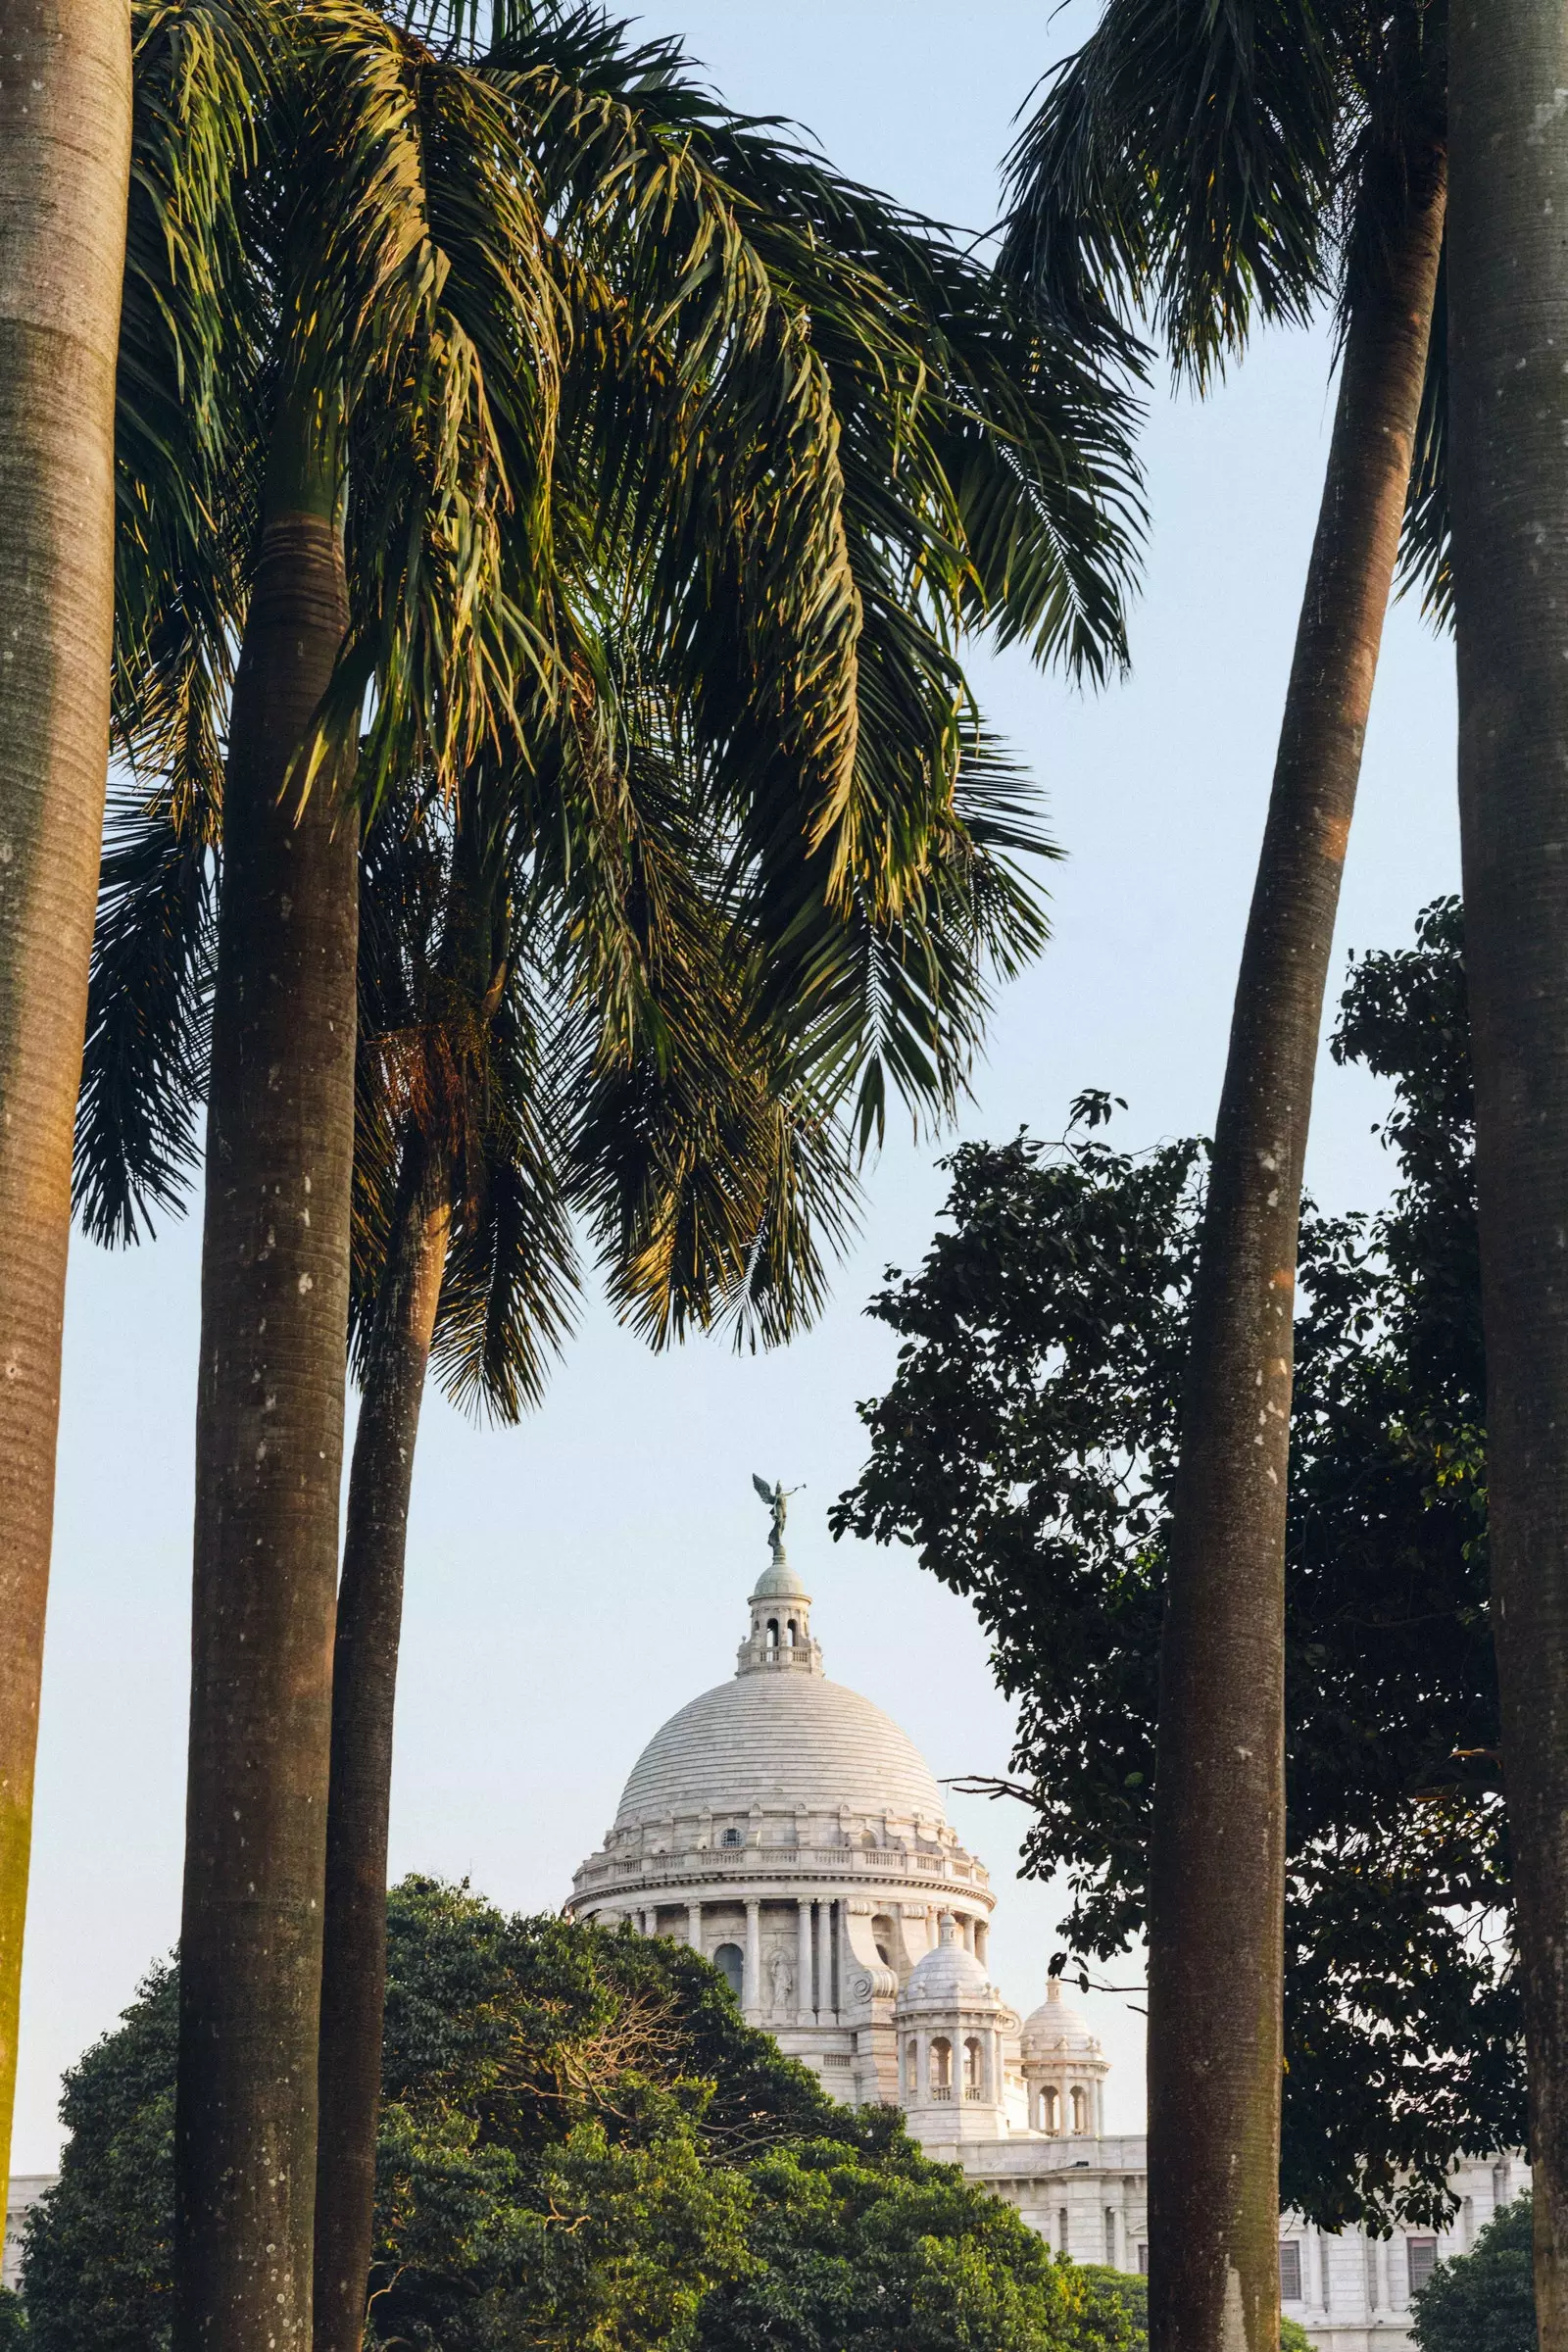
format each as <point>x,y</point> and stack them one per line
<point>786,1827</point>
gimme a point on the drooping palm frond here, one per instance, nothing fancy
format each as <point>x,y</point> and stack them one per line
<point>149,1001</point>
<point>184,432</point>
<point>509,1300</point>
<point>1212,164</point>
<point>1426,547</point>
<point>1182,164</point>
<point>411,249</point>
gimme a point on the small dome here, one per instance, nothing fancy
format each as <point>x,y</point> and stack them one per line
<point>947,1977</point>
<point>1055,2031</point>
<point>779,1582</point>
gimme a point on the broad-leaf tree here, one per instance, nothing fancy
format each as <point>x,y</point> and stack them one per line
<point>580,2145</point>
<point>1028,1448</point>
<point>1509,317</point>
<point>1482,2301</point>
<point>1216,166</point>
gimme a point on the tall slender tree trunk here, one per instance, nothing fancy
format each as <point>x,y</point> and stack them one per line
<point>1508,349</point>
<point>369,1625</point>
<point>269,1452</point>
<point>1217,1864</point>
<point>64,168</point>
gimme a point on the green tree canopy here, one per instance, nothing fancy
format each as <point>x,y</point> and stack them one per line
<point>1027,1449</point>
<point>1483,2301</point>
<point>581,2145</point>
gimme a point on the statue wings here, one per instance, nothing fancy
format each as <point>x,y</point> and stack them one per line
<point>763,1489</point>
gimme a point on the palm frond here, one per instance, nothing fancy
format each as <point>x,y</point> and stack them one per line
<point>1181,164</point>
<point>144,1068</point>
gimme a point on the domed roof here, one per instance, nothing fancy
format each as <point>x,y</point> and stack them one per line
<point>1057,2030</point>
<point>947,1976</point>
<point>779,1582</point>
<point>779,1740</point>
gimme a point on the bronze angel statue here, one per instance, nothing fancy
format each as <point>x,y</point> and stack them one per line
<point>777,1500</point>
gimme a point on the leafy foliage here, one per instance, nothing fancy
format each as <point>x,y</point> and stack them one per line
<point>905,2256</point>
<point>1483,2301</point>
<point>1212,166</point>
<point>674,465</point>
<point>1027,1451</point>
<point>581,2144</point>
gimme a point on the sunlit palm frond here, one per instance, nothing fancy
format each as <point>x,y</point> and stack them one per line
<point>416,247</point>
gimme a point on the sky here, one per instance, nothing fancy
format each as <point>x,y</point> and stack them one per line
<point>573,1583</point>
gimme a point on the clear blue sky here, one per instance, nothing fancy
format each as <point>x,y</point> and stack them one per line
<point>571,1584</point>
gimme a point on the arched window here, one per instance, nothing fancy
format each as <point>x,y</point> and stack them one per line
<point>731,1837</point>
<point>731,1966</point>
<point>973,2078</point>
<point>1080,2108</point>
<point>911,2068</point>
<point>772,1633</point>
<point>789,1635</point>
<point>1049,2109</point>
<point>941,2067</point>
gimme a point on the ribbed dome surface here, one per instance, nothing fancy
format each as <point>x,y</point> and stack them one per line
<point>945,1976</point>
<point>779,1738</point>
<point>1055,2029</point>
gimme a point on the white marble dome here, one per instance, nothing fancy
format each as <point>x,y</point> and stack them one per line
<point>948,1977</point>
<point>780,1740</point>
<point>1058,2031</point>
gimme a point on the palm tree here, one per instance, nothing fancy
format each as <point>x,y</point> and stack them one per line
<point>430,235</point>
<point>62,230</point>
<point>1213,163</point>
<point>394,367</point>
<point>1509,317</point>
<point>106,327</point>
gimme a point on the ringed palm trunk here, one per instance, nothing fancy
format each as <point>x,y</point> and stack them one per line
<point>269,1449</point>
<point>370,1622</point>
<point>65,166</point>
<point>1508,334</point>
<point>1217,1859</point>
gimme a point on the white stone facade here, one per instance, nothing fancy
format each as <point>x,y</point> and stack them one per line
<point>26,2189</point>
<point>790,1831</point>
<point>787,1828</point>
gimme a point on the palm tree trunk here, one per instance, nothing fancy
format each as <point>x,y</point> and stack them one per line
<point>369,1621</point>
<point>268,1450</point>
<point>1217,1861</point>
<point>1508,337</point>
<point>65,166</point>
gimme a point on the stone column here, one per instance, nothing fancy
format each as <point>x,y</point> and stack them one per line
<point>966,1927</point>
<point>803,1967</point>
<point>825,1962</point>
<point>694,1926</point>
<point>751,1980</point>
<point>923,2068</point>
